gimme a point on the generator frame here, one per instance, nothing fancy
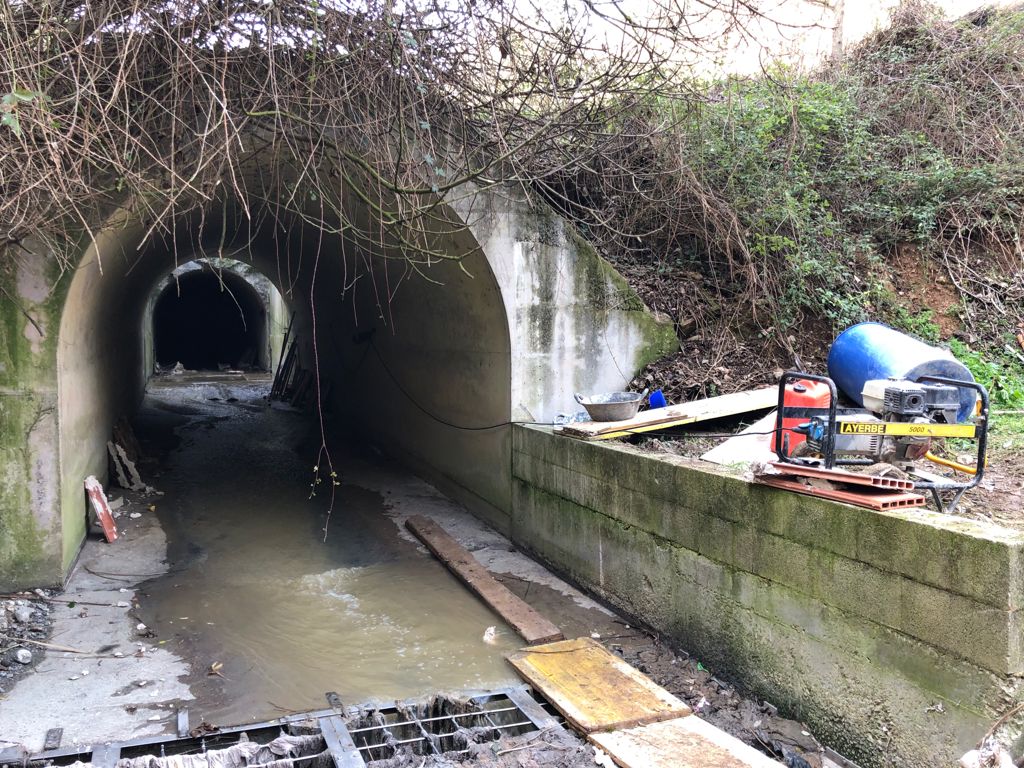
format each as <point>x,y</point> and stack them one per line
<point>926,481</point>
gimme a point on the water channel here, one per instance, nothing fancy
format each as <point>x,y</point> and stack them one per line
<point>270,614</point>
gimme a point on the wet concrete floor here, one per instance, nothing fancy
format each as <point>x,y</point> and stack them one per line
<point>252,614</point>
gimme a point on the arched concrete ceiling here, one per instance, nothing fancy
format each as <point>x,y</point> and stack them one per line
<point>440,358</point>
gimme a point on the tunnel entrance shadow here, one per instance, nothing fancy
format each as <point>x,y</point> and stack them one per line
<point>205,320</point>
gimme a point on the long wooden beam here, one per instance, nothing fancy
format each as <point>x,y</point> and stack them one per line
<point>530,625</point>
<point>675,415</point>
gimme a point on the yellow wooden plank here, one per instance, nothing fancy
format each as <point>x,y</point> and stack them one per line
<point>685,742</point>
<point>595,690</point>
<point>675,415</point>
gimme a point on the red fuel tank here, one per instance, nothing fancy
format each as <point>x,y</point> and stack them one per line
<point>801,394</point>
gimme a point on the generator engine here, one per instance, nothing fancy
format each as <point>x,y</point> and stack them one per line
<point>872,433</point>
<point>908,394</point>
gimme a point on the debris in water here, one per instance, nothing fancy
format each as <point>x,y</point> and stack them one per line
<point>989,755</point>
<point>491,635</point>
<point>215,669</point>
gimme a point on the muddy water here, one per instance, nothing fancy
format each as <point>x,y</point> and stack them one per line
<point>253,587</point>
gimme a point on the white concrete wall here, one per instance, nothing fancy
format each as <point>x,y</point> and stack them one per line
<point>574,323</point>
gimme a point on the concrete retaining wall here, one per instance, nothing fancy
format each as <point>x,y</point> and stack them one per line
<point>896,635</point>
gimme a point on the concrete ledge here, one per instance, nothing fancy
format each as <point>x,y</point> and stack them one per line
<point>860,622</point>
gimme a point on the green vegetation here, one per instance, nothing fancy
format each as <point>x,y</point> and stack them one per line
<point>1001,374</point>
<point>888,185</point>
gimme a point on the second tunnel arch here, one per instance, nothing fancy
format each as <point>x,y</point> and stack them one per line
<point>213,313</point>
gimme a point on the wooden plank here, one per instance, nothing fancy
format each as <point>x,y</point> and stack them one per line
<point>532,709</point>
<point>685,742</point>
<point>183,727</point>
<point>530,625</point>
<point>105,755</point>
<point>52,739</point>
<point>339,743</point>
<point>594,689</point>
<point>675,415</point>
<point>98,501</point>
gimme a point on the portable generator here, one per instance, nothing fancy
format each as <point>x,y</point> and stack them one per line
<point>907,399</point>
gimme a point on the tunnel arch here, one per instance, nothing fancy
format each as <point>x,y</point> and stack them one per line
<point>440,365</point>
<point>528,315</point>
<point>204,322</point>
<point>211,313</point>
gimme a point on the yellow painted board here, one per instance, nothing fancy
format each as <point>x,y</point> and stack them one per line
<point>594,689</point>
<point>685,742</point>
<point>675,415</point>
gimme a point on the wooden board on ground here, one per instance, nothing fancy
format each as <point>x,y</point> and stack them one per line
<point>685,742</point>
<point>100,507</point>
<point>675,415</point>
<point>531,626</point>
<point>594,689</point>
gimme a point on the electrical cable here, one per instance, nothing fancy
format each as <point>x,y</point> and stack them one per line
<point>445,422</point>
<point>437,418</point>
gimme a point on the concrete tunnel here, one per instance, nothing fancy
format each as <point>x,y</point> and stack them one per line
<point>431,363</point>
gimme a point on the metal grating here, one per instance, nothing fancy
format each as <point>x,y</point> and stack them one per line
<point>443,727</point>
<point>352,738</point>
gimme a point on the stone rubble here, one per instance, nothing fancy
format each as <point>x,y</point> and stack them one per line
<point>23,617</point>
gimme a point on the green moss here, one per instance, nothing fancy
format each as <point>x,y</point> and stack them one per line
<point>820,663</point>
<point>24,560</point>
<point>541,319</point>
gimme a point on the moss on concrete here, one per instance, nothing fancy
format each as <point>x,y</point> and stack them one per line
<point>771,589</point>
<point>27,556</point>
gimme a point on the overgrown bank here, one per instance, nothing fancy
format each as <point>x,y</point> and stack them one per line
<point>773,212</point>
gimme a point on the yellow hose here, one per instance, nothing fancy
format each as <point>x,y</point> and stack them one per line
<point>952,464</point>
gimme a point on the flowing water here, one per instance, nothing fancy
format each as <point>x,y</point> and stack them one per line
<point>270,615</point>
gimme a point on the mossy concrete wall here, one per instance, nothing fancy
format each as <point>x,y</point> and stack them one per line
<point>574,323</point>
<point>895,635</point>
<point>31,551</point>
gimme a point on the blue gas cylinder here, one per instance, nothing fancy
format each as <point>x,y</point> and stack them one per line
<point>869,351</point>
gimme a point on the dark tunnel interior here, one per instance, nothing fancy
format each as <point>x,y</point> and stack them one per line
<point>206,319</point>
